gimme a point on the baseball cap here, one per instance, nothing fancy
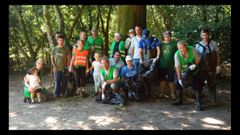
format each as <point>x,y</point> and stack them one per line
<point>117,35</point>
<point>131,30</point>
<point>145,33</point>
<point>128,58</point>
<point>167,33</point>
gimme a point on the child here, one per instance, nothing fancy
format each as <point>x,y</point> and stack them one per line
<point>79,60</point>
<point>32,81</point>
<point>96,65</point>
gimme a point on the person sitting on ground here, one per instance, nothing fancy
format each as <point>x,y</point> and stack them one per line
<point>109,76</point>
<point>32,81</point>
<point>117,62</point>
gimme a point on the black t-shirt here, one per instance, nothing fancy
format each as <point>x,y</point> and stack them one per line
<point>116,48</point>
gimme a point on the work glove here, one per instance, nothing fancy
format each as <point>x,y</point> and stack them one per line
<point>180,82</point>
<point>104,85</point>
<point>192,67</point>
<point>103,96</point>
<point>218,69</point>
<point>141,61</point>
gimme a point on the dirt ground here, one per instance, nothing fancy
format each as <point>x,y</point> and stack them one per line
<point>78,113</point>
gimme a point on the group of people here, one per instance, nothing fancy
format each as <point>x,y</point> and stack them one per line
<point>180,64</point>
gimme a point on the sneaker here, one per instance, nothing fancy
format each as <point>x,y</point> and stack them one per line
<point>173,97</point>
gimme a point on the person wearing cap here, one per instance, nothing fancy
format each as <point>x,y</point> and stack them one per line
<point>148,46</point>
<point>96,42</point>
<point>129,68</point>
<point>166,71</point>
<point>128,40</point>
<point>187,58</point>
<point>210,62</point>
<point>117,62</point>
<point>117,46</point>
<point>134,46</point>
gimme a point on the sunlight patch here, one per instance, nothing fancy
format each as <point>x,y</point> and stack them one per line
<point>12,128</point>
<point>12,114</point>
<point>51,120</point>
<point>212,121</point>
<point>104,120</point>
<point>83,126</point>
<point>211,126</point>
<point>148,127</point>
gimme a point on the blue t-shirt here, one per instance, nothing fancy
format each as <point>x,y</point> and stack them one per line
<point>126,72</point>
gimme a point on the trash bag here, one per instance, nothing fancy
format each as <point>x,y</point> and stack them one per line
<point>150,70</point>
<point>189,75</point>
<point>117,100</point>
<point>98,98</point>
<point>46,95</point>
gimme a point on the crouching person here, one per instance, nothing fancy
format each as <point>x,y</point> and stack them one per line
<point>186,58</point>
<point>110,86</point>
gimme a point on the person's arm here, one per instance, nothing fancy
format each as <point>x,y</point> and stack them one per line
<point>140,51</point>
<point>89,69</point>
<point>86,66</point>
<point>158,51</point>
<point>178,66</point>
<point>115,77</point>
<point>132,47</point>
<point>71,63</point>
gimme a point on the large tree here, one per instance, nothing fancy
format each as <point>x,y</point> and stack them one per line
<point>130,15</point>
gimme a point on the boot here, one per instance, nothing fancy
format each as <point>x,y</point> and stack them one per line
<point>179,100</point>
<point>212,94</point>
<point>198,105</point>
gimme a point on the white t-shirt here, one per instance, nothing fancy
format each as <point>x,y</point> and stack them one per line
<point>135,43</point>
<point>34,81</point>
<point>97,67</point>
<point>128,45</point>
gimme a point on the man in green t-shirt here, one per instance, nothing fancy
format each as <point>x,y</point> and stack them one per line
<point>60,58</point>
<point>168,48</point>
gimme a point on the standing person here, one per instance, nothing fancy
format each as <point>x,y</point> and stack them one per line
<point>97,66</point>
<point>134,46</point>
<point>117,46</point>
<point>60,58</point>
<point>83,37</point>
<point>166,71</point>
<point>210,62</point>
<point>148,47</point>
<point>117,62</point>
<point>187,58</point>
<point>80,62</point>
<point>128,41</point>
<point>96,43</point>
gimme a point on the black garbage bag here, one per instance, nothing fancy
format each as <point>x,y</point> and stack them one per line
<point>189,75</point>
<point>117,99</point>
<point>108,96</point>
<point>148,70</point>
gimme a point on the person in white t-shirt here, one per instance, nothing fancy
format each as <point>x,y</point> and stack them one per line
<point>96,65</point>
<point>33,82</point>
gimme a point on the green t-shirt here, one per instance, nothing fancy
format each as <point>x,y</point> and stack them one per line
<point>167,54</point>
<point>60,57</point>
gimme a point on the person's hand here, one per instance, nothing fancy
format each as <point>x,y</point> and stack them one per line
<point>192,67</point>
<point>157,58</point>
<point>104,85</point>
<point>103,96</point>
<point>70,69</point>
<point>54,69</point>
<point>141,61</point>
<point>180,82</point>
<point>218,69</point>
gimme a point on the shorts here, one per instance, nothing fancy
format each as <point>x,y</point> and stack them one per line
<point>166,74</point>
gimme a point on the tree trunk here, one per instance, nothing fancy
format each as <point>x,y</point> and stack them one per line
<point>60,20</point>
<point>105,31</point>
<point>48,25</point>
<point>25,34</point>
<point>128,16</point>
<point>75,21</point>
<point>90,17</point>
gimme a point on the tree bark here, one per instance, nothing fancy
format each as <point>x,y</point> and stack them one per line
<point>48,25</point>
<point>60,20</point>
<point>75,21</point>
<point>25,34</point>
<point>128,16</point>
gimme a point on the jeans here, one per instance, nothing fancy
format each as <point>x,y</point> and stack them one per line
<point>136,63</point>
<point>60,82</point>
